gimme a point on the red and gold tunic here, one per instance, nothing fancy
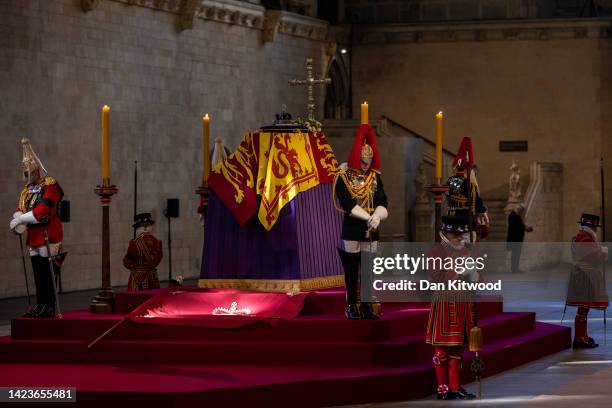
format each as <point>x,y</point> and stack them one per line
<point>143,255</point>
<point>42,198</point>
<point>586,287</point>
<point>451,315</point>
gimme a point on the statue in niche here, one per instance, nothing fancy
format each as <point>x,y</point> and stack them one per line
<point>515,195</point>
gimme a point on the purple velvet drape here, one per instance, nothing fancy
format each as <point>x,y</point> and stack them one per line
<point>301,245</point>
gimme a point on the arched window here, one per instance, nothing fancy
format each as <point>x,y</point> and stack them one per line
<point>337,99</point>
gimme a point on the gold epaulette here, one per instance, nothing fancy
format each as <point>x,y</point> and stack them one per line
<point>47,181</point>
<point>22,199</point>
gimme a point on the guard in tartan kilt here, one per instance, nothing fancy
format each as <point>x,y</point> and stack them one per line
<point>586,287</point>
<point>451,316</point>
<point>143,255</point>
<point>464,192</point>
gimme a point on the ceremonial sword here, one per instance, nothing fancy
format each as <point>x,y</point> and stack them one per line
<point>25,272</point>
<point>58,312</point>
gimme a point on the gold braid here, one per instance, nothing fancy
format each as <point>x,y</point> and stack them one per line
<point>144,251</point>
<point>362,193</point>
<point>23,199</point>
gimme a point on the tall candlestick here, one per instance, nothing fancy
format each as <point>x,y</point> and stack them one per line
<point>105,145</point>
<point>439,118</point>
<point>104,302</point>
<point>364,113</point>
<point>205,147</point>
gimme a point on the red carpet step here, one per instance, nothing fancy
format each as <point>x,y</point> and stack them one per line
<point>316,359</point>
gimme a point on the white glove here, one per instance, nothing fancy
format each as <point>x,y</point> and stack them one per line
<point>14,223</point>
<point>381,212</point>
<point>27,218</point>
<point>604,250</point>
<point>471,275</point>
<point>22,220</point>
<point>373,222</point>
<point>360,213</point>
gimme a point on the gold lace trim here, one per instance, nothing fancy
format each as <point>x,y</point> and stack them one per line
<point>275,285</point>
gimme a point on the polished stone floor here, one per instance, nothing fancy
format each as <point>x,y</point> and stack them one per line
<point>567,379</point>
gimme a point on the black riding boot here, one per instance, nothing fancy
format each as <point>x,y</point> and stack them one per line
<point>350,263</point>
<point>38,283</point>
<point>45,295</point>
<point>367,311</point>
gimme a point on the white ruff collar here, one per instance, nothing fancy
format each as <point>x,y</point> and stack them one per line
<point>589,231</point>
<point>452,245</point>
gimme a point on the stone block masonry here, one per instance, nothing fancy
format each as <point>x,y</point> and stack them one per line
<point>59,66</point>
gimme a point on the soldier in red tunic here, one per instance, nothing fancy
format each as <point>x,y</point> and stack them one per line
<point>143,255</point>
<point>451,315</point>
<point>37,214</point>
<point>586,288</point>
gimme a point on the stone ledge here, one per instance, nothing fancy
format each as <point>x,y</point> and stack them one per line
<point>170,6</point>
<point>240,13</point>
<point>232,12</point>
<point>514,30</point>
<point>303,26</point>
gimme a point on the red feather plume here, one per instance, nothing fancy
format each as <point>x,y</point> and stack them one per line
<point>364,134</point>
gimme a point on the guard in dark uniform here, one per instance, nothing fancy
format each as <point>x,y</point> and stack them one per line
<point>359,193</point>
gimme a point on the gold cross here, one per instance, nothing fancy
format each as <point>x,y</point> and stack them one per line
<point>310,81</point>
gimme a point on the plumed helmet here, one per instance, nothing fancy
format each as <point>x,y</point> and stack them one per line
<point>364,147</point>
<point>367,153</point>
<point>465,155</point>
<point>30,161</point>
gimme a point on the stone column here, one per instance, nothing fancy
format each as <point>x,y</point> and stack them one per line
<point>423,209</point>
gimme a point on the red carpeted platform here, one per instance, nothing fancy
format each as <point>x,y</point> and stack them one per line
<point>315,359</point>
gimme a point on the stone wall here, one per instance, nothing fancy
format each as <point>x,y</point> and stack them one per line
<point>547,82</point>
<point>59,65</point>
<point>401,11</point>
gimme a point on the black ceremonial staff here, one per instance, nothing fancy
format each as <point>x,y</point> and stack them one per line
<point>135,193</point>
<point>475,339</point>
<point>603,238</point>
